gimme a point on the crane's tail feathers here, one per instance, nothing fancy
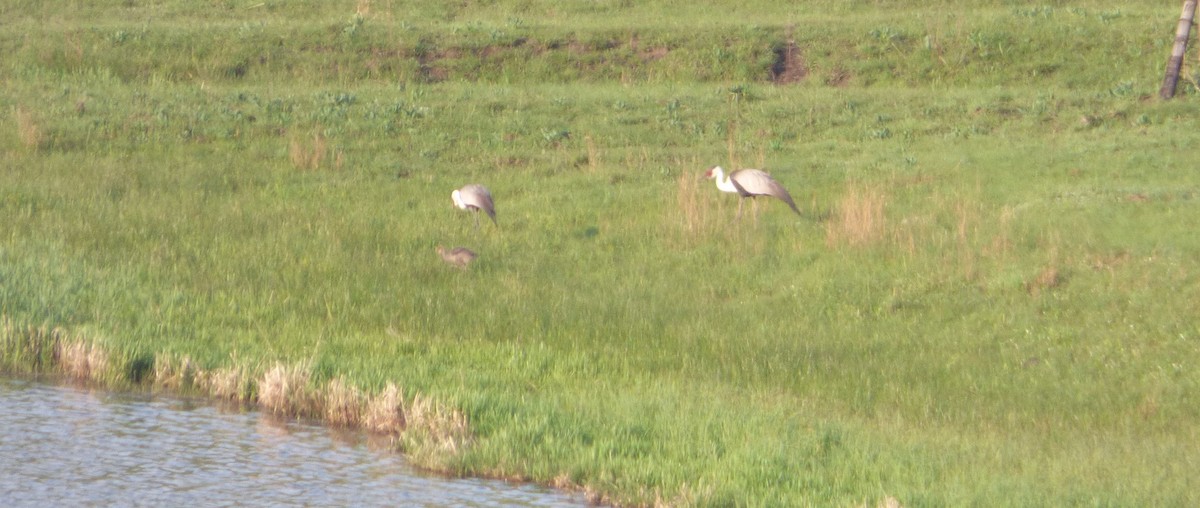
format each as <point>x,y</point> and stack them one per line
<point>794,209</point>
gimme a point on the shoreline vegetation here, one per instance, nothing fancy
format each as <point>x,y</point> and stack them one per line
<point>988,297</point>
<point>418,426</point>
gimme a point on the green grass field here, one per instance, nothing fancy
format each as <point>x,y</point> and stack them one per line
<point>989,299</point>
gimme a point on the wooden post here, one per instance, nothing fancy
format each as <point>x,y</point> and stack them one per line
<point>1181,37</point>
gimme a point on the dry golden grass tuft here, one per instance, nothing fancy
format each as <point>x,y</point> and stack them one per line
<point>967,225</point>
<point>688,202</point>
<point>81,360</point>
<point>447,427</point>
<point>696,210</point>
<point>230,384</point>
<point>227,385</point>
<point>858,220</point>
<point>428,430</point>
<point>1001,244</point>
<point>1049,278</point>
<point>285,391</point>
<point>28,129</point>
<point>173,375</point>
<point>593,153</point>
<point>385,411</point>
<point>344,403</point>
<point>308,156</point>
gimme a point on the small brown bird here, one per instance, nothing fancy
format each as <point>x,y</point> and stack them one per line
<point>750,183</point>
<point>458,256</point>
<point>474,197</point>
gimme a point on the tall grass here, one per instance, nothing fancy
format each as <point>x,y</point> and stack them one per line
<point>986,300</point>
<point>28,130</point>
<point>859,219</point>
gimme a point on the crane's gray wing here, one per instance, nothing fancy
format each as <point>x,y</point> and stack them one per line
<point>752,182</point>
<point>479,197</point>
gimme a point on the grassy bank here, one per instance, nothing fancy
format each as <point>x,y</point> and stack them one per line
<point>989,298</point>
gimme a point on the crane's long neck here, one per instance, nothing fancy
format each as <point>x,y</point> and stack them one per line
<point>724,183</point>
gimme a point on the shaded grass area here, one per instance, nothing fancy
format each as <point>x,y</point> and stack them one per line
<point>986,301</point>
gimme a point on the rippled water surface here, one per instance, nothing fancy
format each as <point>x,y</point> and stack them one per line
<point>68,446</point>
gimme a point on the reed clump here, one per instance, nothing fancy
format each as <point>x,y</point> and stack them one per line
<point>344,403</point>
<point>385,412</point>
<point>428,430</point>
<point>81,360</point>
<point>284,390</point>
<point>173,374</point>
<point>428,421</point>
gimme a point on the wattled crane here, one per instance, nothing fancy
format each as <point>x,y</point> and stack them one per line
<point>475,197</point>
<point>750,183</point>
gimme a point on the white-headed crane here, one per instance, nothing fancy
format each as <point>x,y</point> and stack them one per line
<point>750,183</point>
<point>474,197</point>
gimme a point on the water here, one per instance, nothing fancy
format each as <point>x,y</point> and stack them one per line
<point>70,446</point>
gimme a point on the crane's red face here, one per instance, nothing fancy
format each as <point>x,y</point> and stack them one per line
<point>709,173</point>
